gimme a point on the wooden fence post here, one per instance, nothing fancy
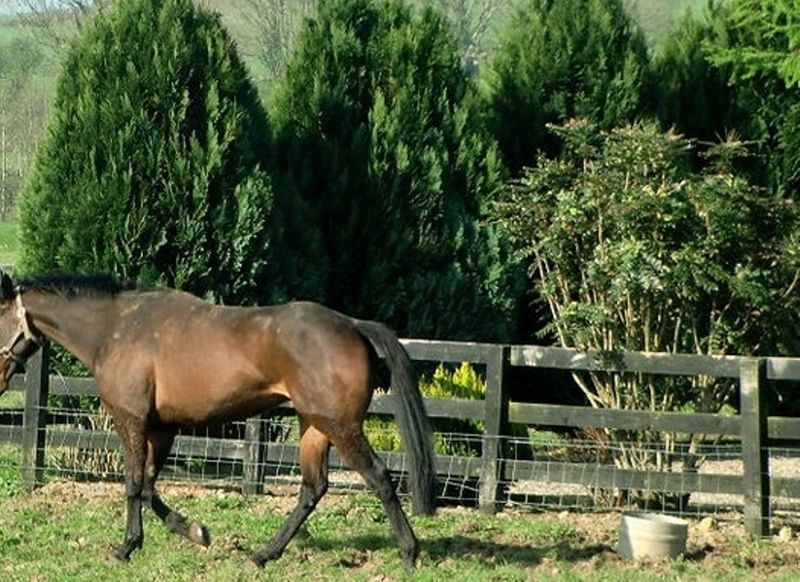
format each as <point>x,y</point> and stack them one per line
<point>755,456</point>
<point>34,419</point>
<point>254,455</point>
<point>496,426</point>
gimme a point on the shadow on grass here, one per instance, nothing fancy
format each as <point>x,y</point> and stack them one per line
<point>438,549</point>
<point>518,553</point>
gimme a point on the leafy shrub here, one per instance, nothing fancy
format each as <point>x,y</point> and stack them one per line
<point>464,382</point>
<point>633,251</point>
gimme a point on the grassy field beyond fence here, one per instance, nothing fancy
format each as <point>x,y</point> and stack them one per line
<point>9,243</point>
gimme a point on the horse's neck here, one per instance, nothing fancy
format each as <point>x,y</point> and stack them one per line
<point>77,323</point>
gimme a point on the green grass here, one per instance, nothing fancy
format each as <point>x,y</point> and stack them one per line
<point>10,30</point>
<point>10,484</point>
<point>66,531</point>
<point>12,399</point>
<point>9,243</point>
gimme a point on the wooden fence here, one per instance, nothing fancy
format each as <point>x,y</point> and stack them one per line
<point>755,429</point>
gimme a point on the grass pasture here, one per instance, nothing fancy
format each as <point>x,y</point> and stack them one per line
<point>9,243</point>
<point>66,531</point>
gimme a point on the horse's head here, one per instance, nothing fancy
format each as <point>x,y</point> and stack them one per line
<point>17,341</point>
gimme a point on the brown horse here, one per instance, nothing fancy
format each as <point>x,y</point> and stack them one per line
<point>166,359</point>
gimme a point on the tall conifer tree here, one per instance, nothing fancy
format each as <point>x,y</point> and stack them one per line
<point>560,59</point>
<point>151,168</point>
<point>377,134</point>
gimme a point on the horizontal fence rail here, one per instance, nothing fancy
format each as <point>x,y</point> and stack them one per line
<point>579,416</point>
<point>489,471</point>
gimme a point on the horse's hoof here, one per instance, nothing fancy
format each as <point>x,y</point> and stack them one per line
<point>199,534</point>
<point>410,559</point>
<point>302,533</point>
<point>122,554</point>
<point>253,565</point>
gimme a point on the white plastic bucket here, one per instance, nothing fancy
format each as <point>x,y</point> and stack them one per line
<point>651,535</point>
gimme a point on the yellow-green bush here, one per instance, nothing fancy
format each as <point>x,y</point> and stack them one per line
<point>463,382</point>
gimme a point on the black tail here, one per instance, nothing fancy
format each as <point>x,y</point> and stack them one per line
<point>415,429</point>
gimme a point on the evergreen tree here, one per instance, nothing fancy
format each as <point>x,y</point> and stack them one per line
<point>767,37</point>
<point>694,96</point>
<point>560,59</point>
<point>376,135</point>
<point>735,70</point>
<point>151,169</point>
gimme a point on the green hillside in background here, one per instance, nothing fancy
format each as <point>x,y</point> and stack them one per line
<point>657,17</point>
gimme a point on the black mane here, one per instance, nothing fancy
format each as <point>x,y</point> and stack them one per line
<point>72,285</point>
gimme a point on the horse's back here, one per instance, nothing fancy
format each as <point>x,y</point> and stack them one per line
<point>208,362</point>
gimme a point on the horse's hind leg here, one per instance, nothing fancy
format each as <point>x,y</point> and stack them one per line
<point>360,456</point>
<point>314,446</point>
<point>159,444</point>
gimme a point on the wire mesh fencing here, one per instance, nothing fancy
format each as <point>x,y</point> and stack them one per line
<point>542,471</point>
<point>582,475</point>
<point>489,446</point>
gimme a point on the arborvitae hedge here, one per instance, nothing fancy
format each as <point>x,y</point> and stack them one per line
<point>560,59</point>
<point>376,133</point>
<point>151,166</point>
<point>731,70</point>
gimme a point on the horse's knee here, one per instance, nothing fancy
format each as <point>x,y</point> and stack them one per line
<point>134,488</point>
<point>147,495</point>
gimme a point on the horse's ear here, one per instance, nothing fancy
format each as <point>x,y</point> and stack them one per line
<point>6,287</point>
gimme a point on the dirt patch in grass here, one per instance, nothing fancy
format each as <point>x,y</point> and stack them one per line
<point>717,545</point>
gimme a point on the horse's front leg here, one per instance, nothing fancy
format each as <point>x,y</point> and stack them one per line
<point>131,432</point>
<point>159,444</point>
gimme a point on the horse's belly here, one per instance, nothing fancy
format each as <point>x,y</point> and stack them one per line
<point>205,402</point>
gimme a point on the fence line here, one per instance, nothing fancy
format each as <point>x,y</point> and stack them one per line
<point>495,467</point>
